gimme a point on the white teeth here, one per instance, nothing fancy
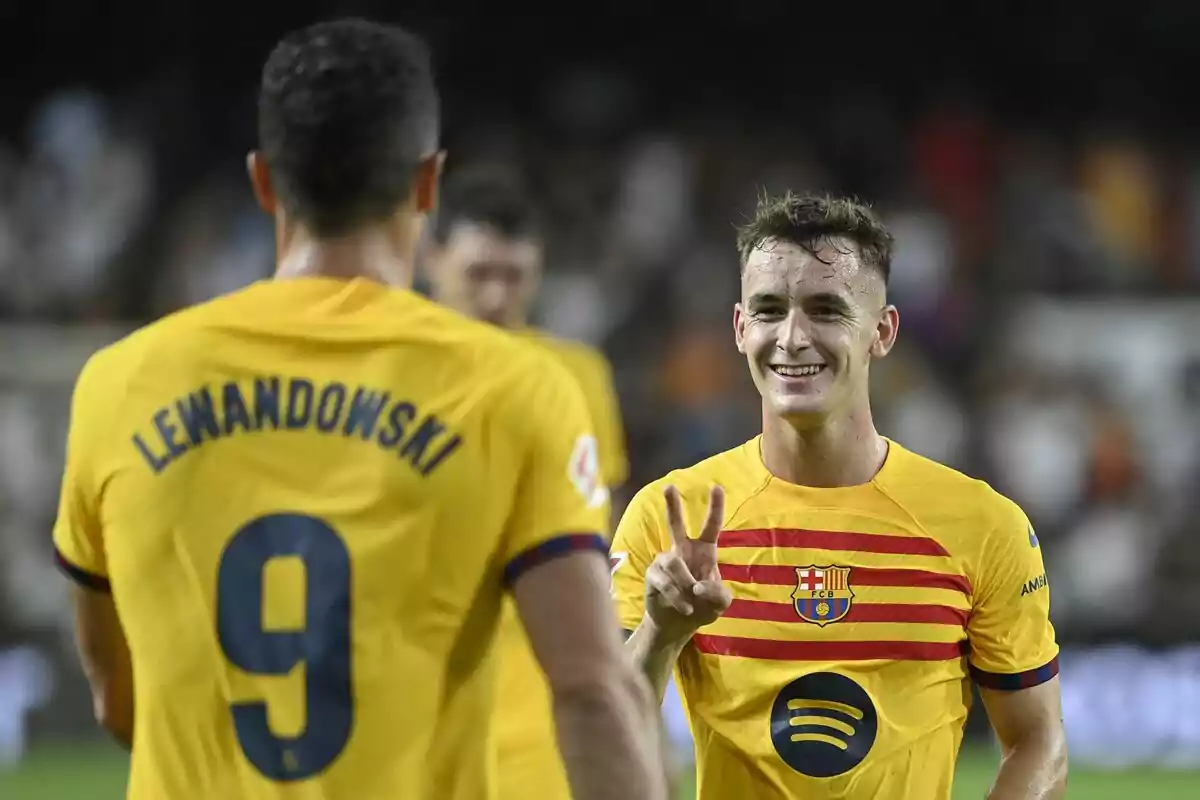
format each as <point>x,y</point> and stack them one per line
<point>798,372</point>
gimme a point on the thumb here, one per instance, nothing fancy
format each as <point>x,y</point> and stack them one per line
<point>713,591</point>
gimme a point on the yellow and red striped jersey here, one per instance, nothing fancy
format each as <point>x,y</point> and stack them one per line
<point>859,615</point>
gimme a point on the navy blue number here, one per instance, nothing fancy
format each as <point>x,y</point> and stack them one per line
<point>323,646</point>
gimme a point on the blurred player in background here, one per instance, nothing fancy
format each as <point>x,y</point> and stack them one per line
<point>487,263</point>
<point>293,510</point>
<point>839,591</point>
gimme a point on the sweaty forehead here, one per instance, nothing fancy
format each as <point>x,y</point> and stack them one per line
<point>786,267</point>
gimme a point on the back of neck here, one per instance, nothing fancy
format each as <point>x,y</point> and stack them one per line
<point>846,451</point>
<point>368,255</point>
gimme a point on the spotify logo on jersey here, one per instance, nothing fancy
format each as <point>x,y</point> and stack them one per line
<point>823,724</point>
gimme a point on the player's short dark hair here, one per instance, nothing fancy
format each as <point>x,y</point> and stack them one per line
<point>812,220</point>
<point>495,197</point>
<point>347,111</point>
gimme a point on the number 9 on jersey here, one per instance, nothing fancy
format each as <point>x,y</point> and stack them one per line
<point>323,645</point>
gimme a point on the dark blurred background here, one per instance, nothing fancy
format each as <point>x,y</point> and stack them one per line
<point>1038,164</point>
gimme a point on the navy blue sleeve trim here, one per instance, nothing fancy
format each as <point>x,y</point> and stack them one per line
<point>1021,680</point>
<point>550,550</point>
<point>88,580</point>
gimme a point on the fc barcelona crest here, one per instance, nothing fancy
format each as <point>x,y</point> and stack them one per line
<point>822,594</point>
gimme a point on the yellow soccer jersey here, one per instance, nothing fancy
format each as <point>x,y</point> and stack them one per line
<point>307,498</point>
<point>593,373</point>
<point>527,757</point>
<point>859,614</point>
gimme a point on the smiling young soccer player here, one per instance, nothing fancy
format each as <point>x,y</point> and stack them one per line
<point>840,591</point>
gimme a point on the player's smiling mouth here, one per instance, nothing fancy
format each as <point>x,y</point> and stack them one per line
<point>804,371</point>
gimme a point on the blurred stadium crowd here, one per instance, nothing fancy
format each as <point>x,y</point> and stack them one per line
<point>1048,278</point>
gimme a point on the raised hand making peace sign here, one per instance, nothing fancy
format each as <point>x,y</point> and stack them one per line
<point>684,591</point>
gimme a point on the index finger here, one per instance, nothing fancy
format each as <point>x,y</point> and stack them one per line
<point>716,516</point>
<point>679,534</point>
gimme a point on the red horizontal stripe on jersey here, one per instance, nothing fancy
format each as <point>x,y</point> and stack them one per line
<point>859,612</point>
<point>776,575</point>
<point>832,540</point>
<point>775,650</point>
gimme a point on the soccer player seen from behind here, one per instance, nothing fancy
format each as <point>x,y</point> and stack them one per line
<point>293,510</point>
<point>487,263</point>
<point>824,594</point>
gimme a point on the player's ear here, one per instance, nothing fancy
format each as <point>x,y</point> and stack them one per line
<point>428,176</point>
<point>739,328</point>
<point>260,179</point>
<point>885,331</point>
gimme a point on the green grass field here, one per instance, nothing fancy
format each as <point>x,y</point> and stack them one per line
<point>98,773</point>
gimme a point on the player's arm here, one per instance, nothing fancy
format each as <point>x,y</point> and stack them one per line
<point>105,658</point>
<point>666,593</point>
<point>1014,660</point>
<point>559,578</point>
<point>602,707</point>
<point>655,651</point>
<point>80,553</point>
<point>655,666</point>
<point>1028,723</point>
<point>638,540</point>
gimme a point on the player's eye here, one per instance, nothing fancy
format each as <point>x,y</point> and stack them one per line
<point>825,312</point>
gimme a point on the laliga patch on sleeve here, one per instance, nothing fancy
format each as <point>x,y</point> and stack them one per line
<point>584,471</point>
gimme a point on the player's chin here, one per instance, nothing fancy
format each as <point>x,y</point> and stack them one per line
<point>800,411</point>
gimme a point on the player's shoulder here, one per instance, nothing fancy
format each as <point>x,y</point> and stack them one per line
<point>738,471</point>
<point>514,376</point>
<point>585,361</point>
<point>946,492</point>
<point>568,349</point>
<point>114,363</point>
<point>173,328</point>
<point>533,361</point>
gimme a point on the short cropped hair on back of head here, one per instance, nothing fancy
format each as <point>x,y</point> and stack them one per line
<point>811,221</point>
<point>347,111</point>
<point>493,197</point>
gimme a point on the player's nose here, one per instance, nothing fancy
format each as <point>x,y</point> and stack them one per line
<point>493,296</point>
<point>793,335</point>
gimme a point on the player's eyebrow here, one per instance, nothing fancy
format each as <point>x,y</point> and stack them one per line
<point>829,299</point>
<point>765,298</point>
